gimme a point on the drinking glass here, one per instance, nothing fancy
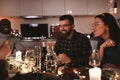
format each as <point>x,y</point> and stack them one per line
<point>94,60</point>
<point>30,59</point>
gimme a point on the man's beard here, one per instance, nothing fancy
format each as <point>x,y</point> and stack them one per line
<point>67,33</point>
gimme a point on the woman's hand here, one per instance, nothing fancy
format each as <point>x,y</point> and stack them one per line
<point>108,43</point>
<point>109,65</point>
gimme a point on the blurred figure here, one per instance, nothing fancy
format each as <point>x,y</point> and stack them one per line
<point>56,34</point>
<point>4,53</point>
<point>73,48</point>
<point>8,44</point>
<point>106,29</point>
<point>6,34</point>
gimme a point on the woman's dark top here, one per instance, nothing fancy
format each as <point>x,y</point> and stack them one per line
<point>111,54</point>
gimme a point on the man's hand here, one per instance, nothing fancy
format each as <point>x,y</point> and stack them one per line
<point>5,50</point>
<point>64,58</point>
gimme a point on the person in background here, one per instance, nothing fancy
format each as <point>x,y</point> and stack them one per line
<point>72,47</point>
<point>6,34</point>
<point>8,45</point>
<point>106,29</point>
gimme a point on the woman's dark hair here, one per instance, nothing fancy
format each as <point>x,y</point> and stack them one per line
<point>110,21</point>
<point>69,17</point>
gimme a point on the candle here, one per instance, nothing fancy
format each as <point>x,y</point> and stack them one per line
<point>95,73</point>
<point>19,56</point>
<point>60,72</point>
<point>24,68</point>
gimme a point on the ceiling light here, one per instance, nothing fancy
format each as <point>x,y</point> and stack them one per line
<point>32,17</point>
<point>115,7</point>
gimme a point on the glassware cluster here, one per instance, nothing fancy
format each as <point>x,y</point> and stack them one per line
<point>94,60</point>
<point>41,58</point>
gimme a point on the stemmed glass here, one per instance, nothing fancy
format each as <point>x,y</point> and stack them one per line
<point>94,60</point>
<point>30,60</point>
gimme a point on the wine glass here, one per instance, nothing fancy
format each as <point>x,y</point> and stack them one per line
<point>94,59</point>
<point>30,59</point>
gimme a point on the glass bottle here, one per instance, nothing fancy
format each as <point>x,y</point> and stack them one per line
<point>44,52</point>
<point>38,57</point>
<point>51,60</point>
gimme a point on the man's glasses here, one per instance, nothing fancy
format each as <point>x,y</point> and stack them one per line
<point>65,25</point>
<point>95,24</point>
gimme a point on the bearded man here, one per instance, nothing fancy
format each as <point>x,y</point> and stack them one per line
<point>73,48</point>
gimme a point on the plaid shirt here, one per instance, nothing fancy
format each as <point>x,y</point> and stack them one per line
<point>78,48</point>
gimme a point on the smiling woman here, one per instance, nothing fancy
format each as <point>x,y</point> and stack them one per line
<point>108,40</point>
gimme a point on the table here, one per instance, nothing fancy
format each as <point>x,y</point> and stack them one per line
<point>70,74</point>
